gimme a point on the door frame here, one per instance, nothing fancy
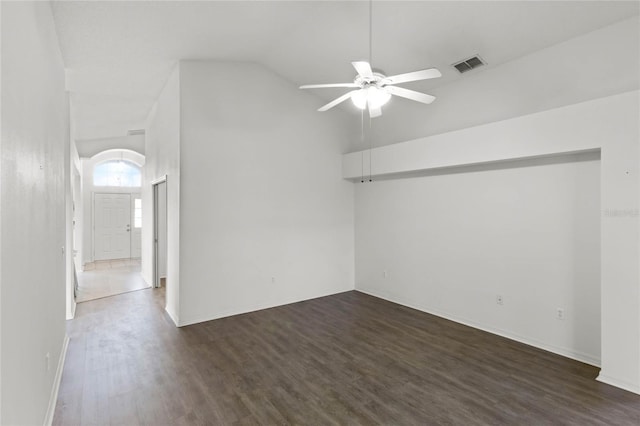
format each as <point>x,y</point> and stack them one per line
<point>93,218</point>
<point>134,196</point>
<point>154,202</point>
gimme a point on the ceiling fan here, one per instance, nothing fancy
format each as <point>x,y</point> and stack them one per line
<point>373,89</point>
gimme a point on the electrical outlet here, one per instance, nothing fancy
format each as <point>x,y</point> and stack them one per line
<point>499,300</point>
<point>47,359</point>
<point>385,273</point>
<point>560,314</point>
<point>273,280</point>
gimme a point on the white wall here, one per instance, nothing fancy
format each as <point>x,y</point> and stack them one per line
<point>76,192</point>
<point>609,124</point>
<point>73,221</point>
<point>163,158</point>
<point>88,189</point>
<point>265,218</point>
<point>70,156</point>
<point>528,231</point>
<point>35,131</point>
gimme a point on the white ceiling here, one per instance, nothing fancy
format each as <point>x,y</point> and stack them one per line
<point>119,54</point>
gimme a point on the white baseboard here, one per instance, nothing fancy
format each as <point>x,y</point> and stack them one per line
<point>146,279</point>
<point>72,314</point>
<point>173,317</point>
<point>567,353</point>
<point>618,383</point>
<point>254,308</point>
<point>48,420</point>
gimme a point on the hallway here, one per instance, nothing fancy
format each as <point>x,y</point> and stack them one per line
<point>108,278</point>
<point>347,358</point>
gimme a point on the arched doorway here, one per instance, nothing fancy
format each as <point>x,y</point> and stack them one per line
<point>111,224</point>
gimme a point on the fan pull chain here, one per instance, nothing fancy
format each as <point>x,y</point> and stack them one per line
<point>362,140</point>
<point>370,62</point>
<point>362,111</point>
<point>370,147</point>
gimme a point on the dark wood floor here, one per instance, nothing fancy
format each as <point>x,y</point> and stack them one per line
<point>343,359</point>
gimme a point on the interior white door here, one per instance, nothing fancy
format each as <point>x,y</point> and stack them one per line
<point>112,226</point>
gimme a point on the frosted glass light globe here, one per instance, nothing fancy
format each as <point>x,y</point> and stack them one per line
<point>359,98</point>
<point>372,96</point>
<point>377,97</point>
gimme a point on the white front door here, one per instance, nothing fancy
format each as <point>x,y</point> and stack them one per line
<point>112,222</point>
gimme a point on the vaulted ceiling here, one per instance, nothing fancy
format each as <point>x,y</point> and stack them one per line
<point>118,55</point>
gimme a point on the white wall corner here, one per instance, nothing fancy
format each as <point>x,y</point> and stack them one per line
<point>628,386</point>
<point>48,420</point>
<point>253,308</point>
<point>71,313</point>
<point>609,123</point>
<point>174,317</point>
<point>555,349</point>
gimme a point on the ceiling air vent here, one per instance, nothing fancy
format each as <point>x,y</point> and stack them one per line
<point>135,132</point>
<point>469,64</point>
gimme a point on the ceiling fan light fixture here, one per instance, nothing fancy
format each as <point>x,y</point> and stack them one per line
<point>376,97</point>
<point>371,96</point>
<point>359,98</point>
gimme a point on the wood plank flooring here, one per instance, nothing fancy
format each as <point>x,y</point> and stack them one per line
<point>343,359</point>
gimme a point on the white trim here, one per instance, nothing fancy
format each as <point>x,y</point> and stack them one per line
<point>146,280</point>
<point>159,180</point>
<point>72,312</point>
<point>118,154</point>
<point>173,317</point>
<point>565,352</point>
<point>622,385</point>
<point>53,399</point>
<point>254,308</point>
<point>154,220</point>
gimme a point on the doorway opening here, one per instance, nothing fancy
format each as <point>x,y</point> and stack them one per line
<point>117,226</point>
<point>160,233</point>
<point>110,231</point>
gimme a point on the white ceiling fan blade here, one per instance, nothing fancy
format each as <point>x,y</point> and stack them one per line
<point>363,68</point>
<point>320,86</point>
<point>336,101</point>
<point>413,76</point>
<point>410,94</point>
<point>375,112</point>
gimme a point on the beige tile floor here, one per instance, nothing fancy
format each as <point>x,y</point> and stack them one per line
<point>109,277</point>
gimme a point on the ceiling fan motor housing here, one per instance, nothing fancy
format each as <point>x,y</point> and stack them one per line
<point>376,79</point>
